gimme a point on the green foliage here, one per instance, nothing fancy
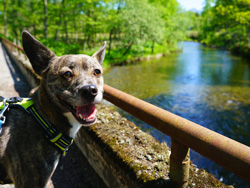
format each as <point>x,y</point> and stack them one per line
<point>61,48</point>
<point>138,27</point>
<point>132,28</point>
<point>227,24</point>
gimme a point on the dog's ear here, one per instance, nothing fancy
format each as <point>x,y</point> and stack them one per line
<point>100,54</point>
<point>38,54</point>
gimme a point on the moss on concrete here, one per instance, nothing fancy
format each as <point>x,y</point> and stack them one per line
<point>146,156</point>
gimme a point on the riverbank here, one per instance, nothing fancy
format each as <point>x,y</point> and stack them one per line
<point>238,48</point>
<point>115,57</point>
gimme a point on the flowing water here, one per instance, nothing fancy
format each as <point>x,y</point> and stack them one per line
<point>208,86</point>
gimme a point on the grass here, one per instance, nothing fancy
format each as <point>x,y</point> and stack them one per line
<point>116,55</point>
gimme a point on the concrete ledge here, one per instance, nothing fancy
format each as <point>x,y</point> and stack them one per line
<point>122,154</point>
<point>99,157</point>
<point>24,65</point>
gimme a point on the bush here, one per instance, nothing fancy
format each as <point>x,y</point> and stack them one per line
<point>62,48</point>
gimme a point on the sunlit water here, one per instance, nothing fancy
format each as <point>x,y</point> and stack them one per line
<point>207,86</point>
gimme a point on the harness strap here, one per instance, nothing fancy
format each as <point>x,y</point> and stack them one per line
<point>62,142</point>
<point>58,139</point>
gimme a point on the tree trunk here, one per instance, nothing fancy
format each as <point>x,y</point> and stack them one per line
<point>153,47</point>
<point>65,22</point>
<point>88,40</point>
<point>34,29</point>
<point>66,30</point>
<point>5,18</point>
<point>247,31</point>
<point>75,27</point>
<point>45,19</point>
<point>128,48</point>
<point>59,23</point>
<point>110,40</point>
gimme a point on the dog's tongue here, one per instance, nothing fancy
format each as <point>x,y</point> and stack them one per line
<point>87,112</point>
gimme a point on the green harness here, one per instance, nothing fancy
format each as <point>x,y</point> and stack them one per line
<point>58,139</point>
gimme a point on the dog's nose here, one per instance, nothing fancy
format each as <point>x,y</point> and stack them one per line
<point>93,90</point>
<point>89,91</point>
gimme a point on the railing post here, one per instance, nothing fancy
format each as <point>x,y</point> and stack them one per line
<point>179,164</point>
<point>19,44</point>
<point>13,46</point>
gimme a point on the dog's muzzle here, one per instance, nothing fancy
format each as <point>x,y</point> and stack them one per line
<point>89,92</point>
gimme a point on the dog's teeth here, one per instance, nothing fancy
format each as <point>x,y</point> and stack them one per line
<point>81,117</point>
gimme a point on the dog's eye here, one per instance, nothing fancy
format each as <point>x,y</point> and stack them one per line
<point>67,75</point>
<point>97,72</point>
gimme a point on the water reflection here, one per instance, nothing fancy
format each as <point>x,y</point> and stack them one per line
<point>207,86</point>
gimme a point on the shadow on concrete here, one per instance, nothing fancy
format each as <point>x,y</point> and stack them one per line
<point>20,83</point>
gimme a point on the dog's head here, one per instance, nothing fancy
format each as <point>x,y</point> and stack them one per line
<point>73,82</point>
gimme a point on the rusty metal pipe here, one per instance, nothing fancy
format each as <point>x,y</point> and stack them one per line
<point>13,45</point>
<point>224,151</point>
<point>179,164</point>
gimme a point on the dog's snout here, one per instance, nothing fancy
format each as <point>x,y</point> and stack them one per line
<point>93,90</point>
<point>89,91</point>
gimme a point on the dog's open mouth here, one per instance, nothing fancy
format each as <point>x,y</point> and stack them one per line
<point>85,114</point>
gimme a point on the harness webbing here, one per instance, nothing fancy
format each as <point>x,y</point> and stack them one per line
<point>58,139</point>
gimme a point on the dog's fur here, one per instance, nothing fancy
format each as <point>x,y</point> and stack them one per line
<point>25,153</point>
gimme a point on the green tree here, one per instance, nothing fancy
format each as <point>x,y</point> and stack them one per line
<point>46,19</point>
<point>227,24</point>
<point>131,27</point>
<point>5,18</point>
<point>140,23</point>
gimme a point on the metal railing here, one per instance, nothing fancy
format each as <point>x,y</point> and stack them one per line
<point>12,45</point>
<point>185,134</point>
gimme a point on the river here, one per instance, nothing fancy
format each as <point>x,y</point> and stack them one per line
<point>208,86</point>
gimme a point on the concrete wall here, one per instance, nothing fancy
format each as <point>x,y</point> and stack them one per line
<point>23,64</point>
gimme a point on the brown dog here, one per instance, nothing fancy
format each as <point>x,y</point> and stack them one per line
<point>32,139</point>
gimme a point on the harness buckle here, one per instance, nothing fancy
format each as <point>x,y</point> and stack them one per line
<point>14,99</point>
<point>2,117</point>
<point>2,120</point>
